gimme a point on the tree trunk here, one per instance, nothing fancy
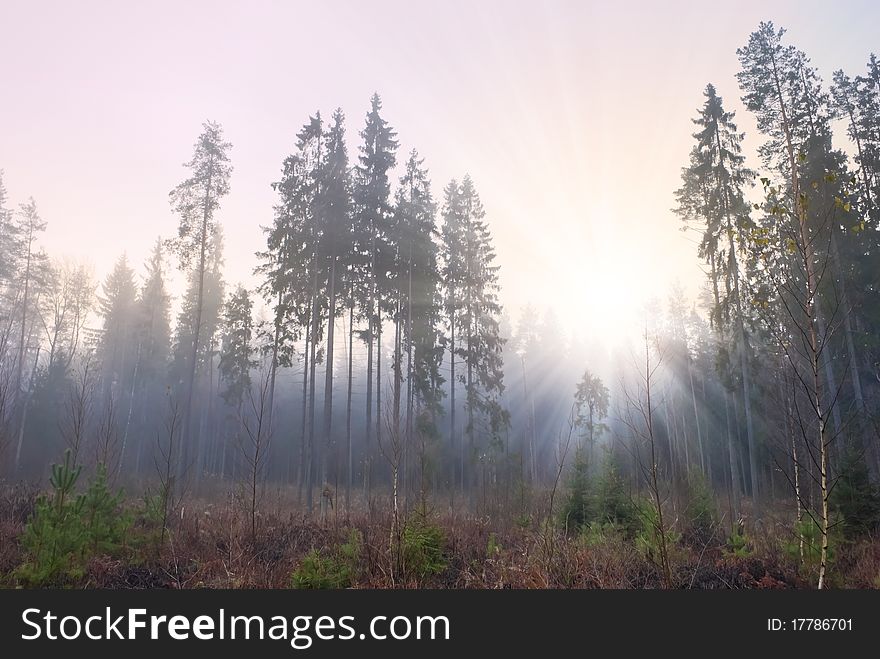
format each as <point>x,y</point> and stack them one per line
<point>197,329</point>
<point>348,470</point>
<point>328,373</point>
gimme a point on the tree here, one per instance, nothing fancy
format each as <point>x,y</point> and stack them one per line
<point>856,101</point>
<point>67,302</point>
<point>417,314</point>
<point>712,197</point>
<point>376,159</point>
<point>452,276</point>
<point>31,264</point>
<point>591,406</point>
<point>237,351</point>
<point>153,319</point>
<point>289,268</point>
<point>7,239</point>
<point>473,309</point>
<point>196,200</point>
<point>119,348</point>
<point>336,251</point>
<point>206,317</point>
<point>784,91</point>
<point>639,417</point>
<point>152,329</point>
<point>797,281</point>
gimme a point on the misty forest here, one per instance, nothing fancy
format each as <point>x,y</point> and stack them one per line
<point>363,411</point>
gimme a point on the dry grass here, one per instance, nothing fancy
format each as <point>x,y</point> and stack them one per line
<point>209,545</point>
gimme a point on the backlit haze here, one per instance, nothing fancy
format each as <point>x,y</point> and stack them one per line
<point>573,118</point>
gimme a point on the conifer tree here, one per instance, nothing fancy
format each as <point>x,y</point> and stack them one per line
<point>288,265</point>
<point>712,197</point>
<point>196,201</point>
<point>237,349</point>
<point>209,288</point>
<point>417,313</point>
<point>471,282</point>
<point>591,407</point>
<point>153,336</point>
<point>336,252</point>
<point>784,91</point>
<point>118,347</point>
<point>372,199</point>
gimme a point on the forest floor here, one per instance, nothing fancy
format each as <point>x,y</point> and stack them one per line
<point>210,544</point>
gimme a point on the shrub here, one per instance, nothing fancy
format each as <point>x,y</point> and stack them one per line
<point>423,545</point>
<point>329,571</point>
<point>104,520</point>
<point>648,539</point>
<point>856,499</point>
<point>317,571</point>
<point>701,511</point>
<point>493,547</point>
<point>578,510</point>
<point>739,544</point>
<point>805,544</point>
<point>614,505</point>
<point>66,529</point>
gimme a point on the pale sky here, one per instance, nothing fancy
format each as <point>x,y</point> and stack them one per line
<point>573,118</point>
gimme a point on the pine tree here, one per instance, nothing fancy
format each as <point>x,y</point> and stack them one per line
<point>295,277</point>
<point>336,252</point>
<point>712,197</point>
<point>237,351</point>
<point>591,407</point>
<point>784,91</point>
<point>288,261</point>
<point>372,199</point>
<point>153,335</point>
<point>205,318</point>
<point>153,323</point>
<point>453,274</point>
<point>119,349</point>
<point>855,102</point>
<point>471,282</point>
<point>196,200</point>
<point>417,313</point>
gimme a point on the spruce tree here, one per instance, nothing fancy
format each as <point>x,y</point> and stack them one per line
<point>153,332</point>
<point>372,198</point>
<point>794,113</point>
<point>417,313</point>
<point>336,249</point>
<point>197,324</point>
<point>196,201</point>
<point>118,348</point>
<point>712,198</point>
<point>237,348</point>
<point>473,308</point>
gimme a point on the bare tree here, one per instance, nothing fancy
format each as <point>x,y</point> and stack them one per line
<point>253,442</point>
<point>107,438</point>
<point>78,407</point>
<point>639,418</point>
<point>562,449</point>
<point>392,448</point>
<point>170,495</point>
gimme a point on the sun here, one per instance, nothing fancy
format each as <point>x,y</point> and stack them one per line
<point>606,291</point>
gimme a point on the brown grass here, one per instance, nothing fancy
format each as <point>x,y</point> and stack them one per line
<point>209,545</point>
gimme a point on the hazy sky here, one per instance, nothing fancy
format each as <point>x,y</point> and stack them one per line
<point>573,118</point>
